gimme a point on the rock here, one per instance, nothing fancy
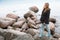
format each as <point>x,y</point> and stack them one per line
<point>10,15</point>
<point>21,19</point>
<point>18,29</point>
<point>34,18</point>
<point>30,14</point>
<point>34,9</point>
<point>36,31</point>
<point>1,38</point>
<point>36,37</point>
<point>8,19</point>
<point>37,26</point>
<point>53,39</point>
<point>18,24</point>
<point>32,31</point>
<point>52,20</point>
<point>52,27</point>
<point>31,23</point>
<point>10,27</point>
<point>24,27</point>
<point>24,37</point>
<point>45,38</point>
<point>56,35</point>
<point>38,22</point>
<point>10,34</point>
<point>5,22</point>
<point>58,38</point>
<point>42,38</point>
<point>34,26</point>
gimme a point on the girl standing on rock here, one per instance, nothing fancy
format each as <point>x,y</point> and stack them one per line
<point>45,20</point>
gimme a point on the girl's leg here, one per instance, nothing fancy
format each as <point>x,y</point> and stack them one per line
<point>48,29</point>
<point>41,30</point>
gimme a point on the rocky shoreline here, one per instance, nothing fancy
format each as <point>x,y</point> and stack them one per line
<point>12,27</point>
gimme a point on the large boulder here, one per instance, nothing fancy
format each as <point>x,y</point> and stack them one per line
<point>52,27</point>
<point>30,20</point>
<point>18,29</point>
<point>18,24</point>
<point>31,23</point>
<point>1,38</point>
<point>10,15</point>
<point>10,34</point>
<point>24,37</point>
<point>56,35</point>
<point>30,14</point>
<point>34,9</point>
<point>5,22</point>
<point>32,31</point>
<point>52,20</point>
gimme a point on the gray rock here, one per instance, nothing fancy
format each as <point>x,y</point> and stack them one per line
<point>52,20</point>
<point>34,9</point>
<point>32,31</point>
<point>24,37</point>
<point>44,38</point>
<point>56,35</point>
<point>10,34</point>
<point>1,38</point>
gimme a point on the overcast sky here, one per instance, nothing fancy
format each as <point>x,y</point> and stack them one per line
<point>20,6</point>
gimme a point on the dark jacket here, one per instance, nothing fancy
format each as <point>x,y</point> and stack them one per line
<point>45,16</point>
